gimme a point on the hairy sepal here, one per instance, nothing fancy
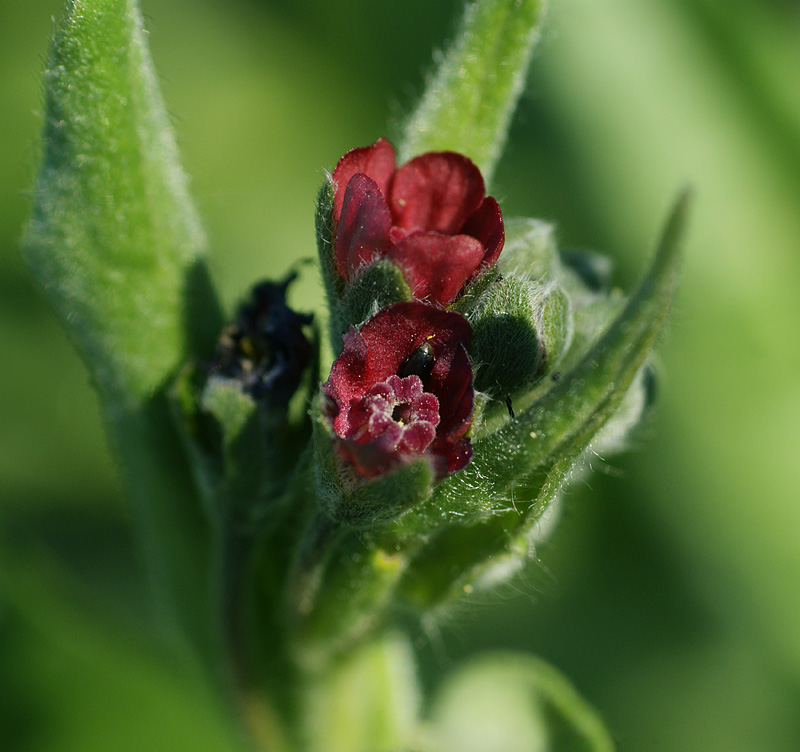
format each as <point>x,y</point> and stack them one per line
<point>505,347</point>
<point>530,249</point>
<point>378,286</point>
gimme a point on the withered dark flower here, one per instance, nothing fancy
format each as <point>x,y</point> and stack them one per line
<point>266,348</point>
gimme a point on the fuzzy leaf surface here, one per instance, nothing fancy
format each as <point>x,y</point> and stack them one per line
<point>468,103</point>
<point>115,245</point>
<point>114,240</point>
<point>563,421</point>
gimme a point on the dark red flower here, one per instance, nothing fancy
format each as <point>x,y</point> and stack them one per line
<point>430,217</point>
<point>401,388</point>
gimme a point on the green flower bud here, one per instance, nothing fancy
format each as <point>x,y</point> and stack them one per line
<point>506,350</point>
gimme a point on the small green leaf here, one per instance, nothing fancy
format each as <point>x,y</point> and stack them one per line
<point>468,103</point>
<point>244,449</point>
<point>367,702</point>
<point>231,407</point>
<point>513,703</point>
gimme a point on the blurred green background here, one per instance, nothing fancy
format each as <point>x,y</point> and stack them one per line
<point>670,593</point>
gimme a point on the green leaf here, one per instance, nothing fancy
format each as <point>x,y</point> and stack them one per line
<point>563,421</point>
<point>468,103</point>
<point>114,241</point>
<point>513,703</point>
<point>461,557</point>
<point>115,245</point>
<point>367,702</point>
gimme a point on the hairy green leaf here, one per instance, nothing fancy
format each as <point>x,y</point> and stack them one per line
<point>115,245</point>
<point>468,103</point>
<point>565,419</point>
<point>114,241</point>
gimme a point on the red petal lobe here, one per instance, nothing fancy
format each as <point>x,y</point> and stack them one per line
<point>363,231</point>
<point>376,162</point>
<point>436,266</point>
<point>486,224</point>
<point>436,191</point>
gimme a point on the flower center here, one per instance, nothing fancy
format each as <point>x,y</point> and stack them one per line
<point>399,414</point>
<point>402,413</point>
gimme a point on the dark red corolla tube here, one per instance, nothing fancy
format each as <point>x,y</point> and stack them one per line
<point>401,389</point>
<point>430,217</point>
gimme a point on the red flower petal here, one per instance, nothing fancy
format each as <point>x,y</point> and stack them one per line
<point>376,162</point>
<point>417,438</point>
<point>363,232</point>
<point>376,351</point>
<point>436,191</point>
<point>369,459</point>
<point>486,224</point>
<point>437,266</point>
<point>451,382</point>
<point>454,456</point>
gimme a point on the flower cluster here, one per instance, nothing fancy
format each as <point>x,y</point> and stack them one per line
<point>402,386</point>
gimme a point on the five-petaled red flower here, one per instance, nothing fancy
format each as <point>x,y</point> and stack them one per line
<point>430,217</point>
<point>401,388</point>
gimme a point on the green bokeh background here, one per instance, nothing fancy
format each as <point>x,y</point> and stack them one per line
<point>670,593</point>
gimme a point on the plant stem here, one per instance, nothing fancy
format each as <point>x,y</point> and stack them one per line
<point>257,712</point>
